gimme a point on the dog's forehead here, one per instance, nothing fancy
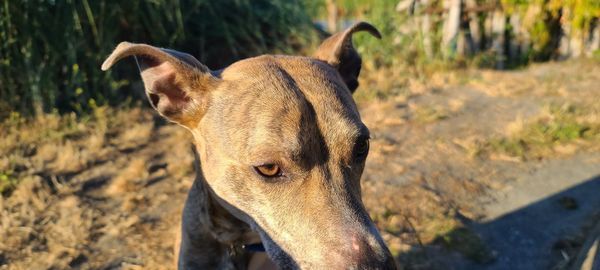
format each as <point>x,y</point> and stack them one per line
<point>294,80</point>
<point>286,101</point>
<point>309,75</point>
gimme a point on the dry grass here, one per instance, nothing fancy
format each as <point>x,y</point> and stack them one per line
<point>429,114</point>
<point>138,134</point>
<point>559,129</point>
<point>178,138</point>
<point>56,145</point>
<point>16,230</point>
<point>48,165</point>
<point>129,179</point>
<point>543,80</point>
<point>379,85</point>
<point>66,157</point>
<point>423,213</point>
<point>387,83</point>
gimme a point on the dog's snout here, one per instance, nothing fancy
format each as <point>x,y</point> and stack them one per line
<point>368,253</point>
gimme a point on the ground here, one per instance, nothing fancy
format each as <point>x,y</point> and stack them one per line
<point>468,169</point>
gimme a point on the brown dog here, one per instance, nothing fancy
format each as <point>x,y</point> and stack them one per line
<point>281,148</point>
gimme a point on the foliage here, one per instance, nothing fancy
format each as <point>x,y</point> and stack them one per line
<point>403,46</point>
<point>51,50</point>
<point>396,48</point>
<point>543,19</point>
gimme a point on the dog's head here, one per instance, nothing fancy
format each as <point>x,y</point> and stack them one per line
<point>282,145</point>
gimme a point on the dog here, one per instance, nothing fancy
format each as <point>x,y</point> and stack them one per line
<point>280,150</point>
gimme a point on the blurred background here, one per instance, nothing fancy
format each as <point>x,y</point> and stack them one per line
<point>485,121</point>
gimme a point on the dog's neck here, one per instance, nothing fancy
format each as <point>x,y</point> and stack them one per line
<point>209,227</point>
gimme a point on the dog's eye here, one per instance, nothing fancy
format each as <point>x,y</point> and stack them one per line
<point>268,170</point>
<point>362,148</point>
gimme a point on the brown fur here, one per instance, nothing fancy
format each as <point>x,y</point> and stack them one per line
<point>296,112</point>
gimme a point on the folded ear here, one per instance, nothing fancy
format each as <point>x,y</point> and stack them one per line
<point>339,52</point>
<point>177,84</point>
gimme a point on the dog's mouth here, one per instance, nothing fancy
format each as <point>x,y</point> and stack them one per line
<point>281,258</point>
<point>254,247</point>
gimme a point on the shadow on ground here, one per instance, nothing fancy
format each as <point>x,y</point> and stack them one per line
<point>543,234</point>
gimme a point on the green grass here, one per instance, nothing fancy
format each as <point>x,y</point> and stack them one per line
<point>564,125</point>
<point>8,182</point>
<point>467,243</point>
<point>425,115</point>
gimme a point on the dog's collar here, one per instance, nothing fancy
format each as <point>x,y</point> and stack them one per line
<point>257,247</point>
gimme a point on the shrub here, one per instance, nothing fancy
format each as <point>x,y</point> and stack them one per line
<point>51,50</point>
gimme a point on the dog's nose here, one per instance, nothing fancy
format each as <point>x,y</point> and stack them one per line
<point>356,244</point>
<point>368,253</point>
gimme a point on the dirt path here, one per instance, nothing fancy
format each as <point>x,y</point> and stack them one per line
<point>531,212</point>
<point>433,170</point>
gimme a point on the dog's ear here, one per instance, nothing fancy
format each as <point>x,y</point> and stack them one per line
<point>339,52</point>
<point>176,84</point>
